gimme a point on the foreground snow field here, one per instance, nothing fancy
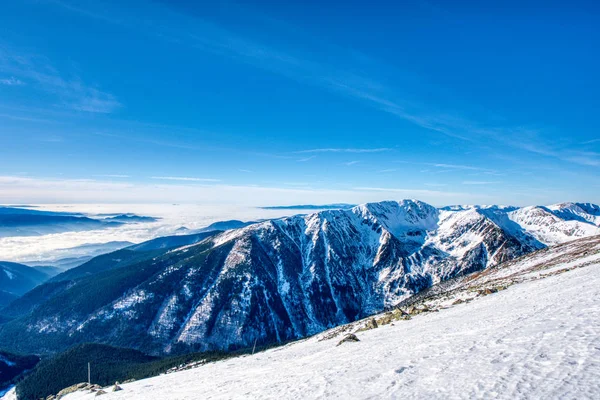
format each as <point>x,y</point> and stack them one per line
<point>537,339</point>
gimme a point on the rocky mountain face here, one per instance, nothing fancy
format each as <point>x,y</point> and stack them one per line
<point>283,279</point>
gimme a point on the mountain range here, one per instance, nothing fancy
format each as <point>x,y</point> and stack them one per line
<point>282,279</point>
<point>16,221</point>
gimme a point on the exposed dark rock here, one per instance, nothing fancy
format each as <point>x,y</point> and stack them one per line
<point>349,338</point>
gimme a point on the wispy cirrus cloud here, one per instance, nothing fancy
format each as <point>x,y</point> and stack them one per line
<point>119,176</point>
<point>200,34</point>
<point>47,190</point>
<point>12,81</point>
<point>344,150</point>
<point>71,92</point>
<point>305,159</point>
<point>584,158</point>
<point>436,184</point>
<point>587,158</point>
<point>448,168</point>
<point>94,101</point>
<point>480,182</point>
<point>25,118</point>
<point>349,76</point>
<point>302,184</point>
<point>457,166</point>
<point>184,179</point>
<point>187,144</point>
<point>350,163</point>
<point>17,189</point>
<point>591,141</point>
<point>409,192</point>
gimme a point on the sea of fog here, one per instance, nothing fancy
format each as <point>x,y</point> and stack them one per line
<point>52,247</point>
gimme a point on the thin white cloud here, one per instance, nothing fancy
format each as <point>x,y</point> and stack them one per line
<point>457,166</point>
<point>349,163</point>
<point>344,150</point>
<point>410,192</point>
<point>436,184</point>
<point>71,92</point>
<point>12,81</point>
<point>584,160</point>
<point>385,171</point>
<point>340,78</point>
<point>33,190</point>
<point>95,101</point>
<point>184,178</point>
<point>306,159</point>
<point>587,158</point>
<point>437,167</point>
<point>187,145</point>
<point>245,170</point>
<point>480,182</point>
<point>120,176</point>
<point>296,183</point>
<point>26,118</point>
<point>591,141</point>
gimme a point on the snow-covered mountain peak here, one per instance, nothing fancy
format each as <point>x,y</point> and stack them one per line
<point>553,226</point>
<point>577,212</point>
<point>399,217</point>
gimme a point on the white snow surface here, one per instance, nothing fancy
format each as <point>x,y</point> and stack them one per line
<point>538,339</point>
<point>9,393</point>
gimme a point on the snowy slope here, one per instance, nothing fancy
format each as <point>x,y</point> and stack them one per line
<point>539,338</point>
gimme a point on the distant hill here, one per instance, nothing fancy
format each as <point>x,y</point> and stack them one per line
<point>17,279</point>
<point>26,210</point>
<point>26,222</point>
<point>6,298</point>
<point>224,226</point>
<point>16,221</point>
<point>129,218</point>
<point>81,254</point>
<point>167,242</point>
<point>62,264</point>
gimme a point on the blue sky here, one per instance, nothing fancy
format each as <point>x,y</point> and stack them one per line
<point>287,102</point>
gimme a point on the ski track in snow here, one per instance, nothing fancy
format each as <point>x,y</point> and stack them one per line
<point>539,339</point>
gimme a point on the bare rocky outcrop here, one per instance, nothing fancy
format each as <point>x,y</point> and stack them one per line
<point>349,338</point>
